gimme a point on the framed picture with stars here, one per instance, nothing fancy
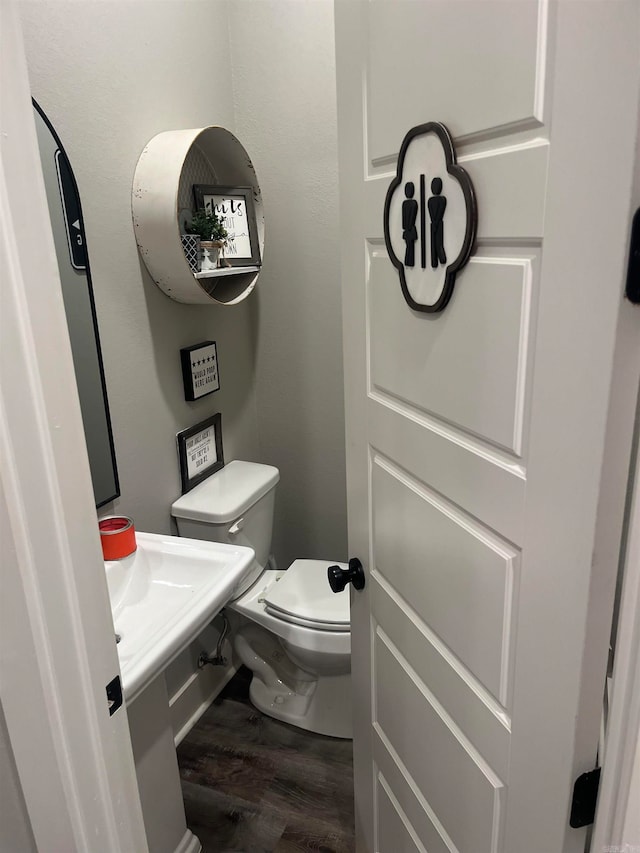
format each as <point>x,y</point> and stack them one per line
<point>200,370</point>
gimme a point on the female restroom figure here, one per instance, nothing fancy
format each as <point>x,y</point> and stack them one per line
<point>437,205</point>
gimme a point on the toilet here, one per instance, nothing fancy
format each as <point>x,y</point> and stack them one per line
<point>288,627</point>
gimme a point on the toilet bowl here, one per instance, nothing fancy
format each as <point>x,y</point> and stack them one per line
<point>288,627</point>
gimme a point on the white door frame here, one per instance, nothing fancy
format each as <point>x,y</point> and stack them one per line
<point>618,818</point>
<point>74,762</point>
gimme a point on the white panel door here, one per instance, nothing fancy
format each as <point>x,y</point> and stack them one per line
<point>475,436</point>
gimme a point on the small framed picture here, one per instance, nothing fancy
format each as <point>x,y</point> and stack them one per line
<point>234,206</point>
<point>200,370</point>
<point>200,451</point>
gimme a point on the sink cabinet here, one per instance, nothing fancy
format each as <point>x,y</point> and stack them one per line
<point>157,771</point>
<point>162,596</point>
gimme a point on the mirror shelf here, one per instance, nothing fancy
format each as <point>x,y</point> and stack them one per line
<point>222,273</point>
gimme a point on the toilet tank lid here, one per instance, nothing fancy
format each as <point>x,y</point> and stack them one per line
<point>225,495</point>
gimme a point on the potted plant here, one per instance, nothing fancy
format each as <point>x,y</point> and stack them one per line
<point>208,226</point>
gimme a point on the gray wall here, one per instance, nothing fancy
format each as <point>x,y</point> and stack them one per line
<point>112,74</point>
<point>16,835</point>
<point>285,106</point>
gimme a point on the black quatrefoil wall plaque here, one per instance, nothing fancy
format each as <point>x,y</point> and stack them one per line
<point>430,217</point>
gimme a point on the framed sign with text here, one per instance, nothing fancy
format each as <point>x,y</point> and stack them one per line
<point>200,370</point>
<point>200,451</point>
<point>234,207</point>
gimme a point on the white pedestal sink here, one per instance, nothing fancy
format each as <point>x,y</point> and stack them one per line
<point>162,596</point>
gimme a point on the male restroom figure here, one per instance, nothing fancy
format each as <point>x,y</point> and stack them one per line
<point>437,205</point>
<point>409,230</point>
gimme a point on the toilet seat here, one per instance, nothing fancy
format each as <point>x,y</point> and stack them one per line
<point>252,606</point>
<point>302,596</point>
<point>305,623</point>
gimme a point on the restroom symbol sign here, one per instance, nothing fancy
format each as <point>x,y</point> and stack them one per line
<point>430,217</point>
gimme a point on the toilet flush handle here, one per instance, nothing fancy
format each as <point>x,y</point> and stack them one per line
<point>339,578</point>
<point>236,527</point>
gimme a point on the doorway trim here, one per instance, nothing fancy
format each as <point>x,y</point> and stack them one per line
<point>617,820</point>
<point>73,761</point>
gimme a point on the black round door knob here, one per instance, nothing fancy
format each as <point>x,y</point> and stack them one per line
<point>339,578</point>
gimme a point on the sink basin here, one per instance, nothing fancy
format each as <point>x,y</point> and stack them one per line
<point>163,595</point>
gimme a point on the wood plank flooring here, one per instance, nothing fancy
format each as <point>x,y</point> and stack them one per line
<point>255,785</point>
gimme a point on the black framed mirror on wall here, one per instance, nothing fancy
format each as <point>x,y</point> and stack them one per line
<point>73,262</point>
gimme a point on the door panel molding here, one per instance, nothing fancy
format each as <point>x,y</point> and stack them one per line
<point>473,709</point>
<point>395,832</point>
<point>443,759</point>
<point>499,92</point>
<point>492,493</point>
<point>420,815</point>
<point>465,569</point>
<point>518,170</point>
<point>485,364</point>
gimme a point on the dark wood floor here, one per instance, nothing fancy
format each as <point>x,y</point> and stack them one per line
<point>256,785</point>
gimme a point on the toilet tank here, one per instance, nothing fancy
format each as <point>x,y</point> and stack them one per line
<point>234,505</point>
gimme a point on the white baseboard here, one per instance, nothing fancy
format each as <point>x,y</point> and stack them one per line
<point>189,844</point>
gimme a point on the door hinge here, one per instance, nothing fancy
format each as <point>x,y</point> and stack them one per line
<point>114,695</point>
<point>585,796</point>
<point>633,273</point>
